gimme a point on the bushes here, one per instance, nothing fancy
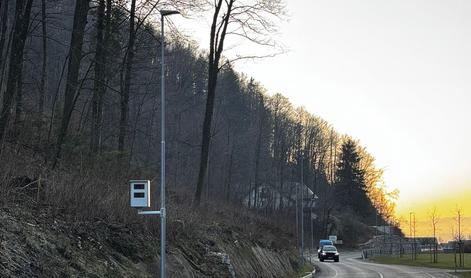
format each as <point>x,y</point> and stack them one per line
<point>351,230</point>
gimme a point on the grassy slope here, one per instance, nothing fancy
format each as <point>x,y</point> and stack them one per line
<point>444,261</point>
<point>305,270</point>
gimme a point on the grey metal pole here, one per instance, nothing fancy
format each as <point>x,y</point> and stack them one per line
<point>376,223</point>
<point>297,220</point>
<point>312,236</point>
<point>414,252</point>
<point>163,13</point>
<point>302,207</point>
<point>162,155</point>
<point>410,234</point>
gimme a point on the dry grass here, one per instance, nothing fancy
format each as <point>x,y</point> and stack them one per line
<point>84,191</point>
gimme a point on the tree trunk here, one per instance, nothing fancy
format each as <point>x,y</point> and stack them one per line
<point>206,134</point>
<point>19,103</point>
<point>229,177</point>
<point>258,148</point>
<point>54,100</point>
<point>22,15</point>
<point>129,57</point>
<point>42,86</point>
<point>215,50</point>
<point>4,5</point>
<point>75,55</point>
<point>99,81</point>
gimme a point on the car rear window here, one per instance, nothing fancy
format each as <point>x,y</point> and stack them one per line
<point>330,248</point>
<point>325,242</point>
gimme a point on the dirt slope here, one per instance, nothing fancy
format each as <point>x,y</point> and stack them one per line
<point>43,242</point>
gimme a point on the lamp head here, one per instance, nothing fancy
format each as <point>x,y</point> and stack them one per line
<point>168,12</point>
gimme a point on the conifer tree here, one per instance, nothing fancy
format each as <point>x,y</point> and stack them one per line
<point>350,188</point>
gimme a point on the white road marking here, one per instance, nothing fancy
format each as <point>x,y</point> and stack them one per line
<point>429,274</point>
<point>420,270</point>
<point>373,270</point>
<point>336,273</point>
<point>350,264</point>
<point>335,270</point>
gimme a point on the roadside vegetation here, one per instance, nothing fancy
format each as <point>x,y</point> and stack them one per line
<point>305,270</point>
<point>445,260</point>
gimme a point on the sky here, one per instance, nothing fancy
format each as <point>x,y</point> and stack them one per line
<point>394,74</point>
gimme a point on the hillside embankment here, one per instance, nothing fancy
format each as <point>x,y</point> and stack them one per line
<point>38,240</point>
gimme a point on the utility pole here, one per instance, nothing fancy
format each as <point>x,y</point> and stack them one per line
<point>460,242</point>
<point>415,245</point>
<point>302,207</point>
<point>410,233</point>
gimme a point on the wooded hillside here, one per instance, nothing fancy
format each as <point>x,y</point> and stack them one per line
<point>80,89</point>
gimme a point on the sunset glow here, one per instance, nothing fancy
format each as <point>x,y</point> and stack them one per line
<point>399,72</point>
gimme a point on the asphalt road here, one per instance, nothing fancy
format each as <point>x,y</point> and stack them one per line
<point>350,266</point>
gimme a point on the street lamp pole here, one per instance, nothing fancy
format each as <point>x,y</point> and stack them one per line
<point>163,13</point>
<point>312,237</point>
<point>302,207</point>
<point>313,203</point>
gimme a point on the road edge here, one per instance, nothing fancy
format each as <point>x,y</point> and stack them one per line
<point>310,275</point>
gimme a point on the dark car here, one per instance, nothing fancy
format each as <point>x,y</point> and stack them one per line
<point>322,243</point>
<point>329,252</point>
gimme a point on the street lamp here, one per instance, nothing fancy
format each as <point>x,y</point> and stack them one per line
<point>302,208</point>
<point>163,13</point>
<point>313,203</point>
<point>301,249</point>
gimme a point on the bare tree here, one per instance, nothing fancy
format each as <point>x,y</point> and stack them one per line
<point>22,16</point>
<point>4,12</point>
<point>128,61</point>
<point>42,85</point>
<point>250,19</point>
<point>103,26</point>
<point>458,238</point>
<point>434,220</point>
<point>75,56</point>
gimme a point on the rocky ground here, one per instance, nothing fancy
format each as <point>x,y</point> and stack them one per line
<point>42,241</point>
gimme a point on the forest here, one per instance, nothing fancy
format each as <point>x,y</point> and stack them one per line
<point>80,92</point>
